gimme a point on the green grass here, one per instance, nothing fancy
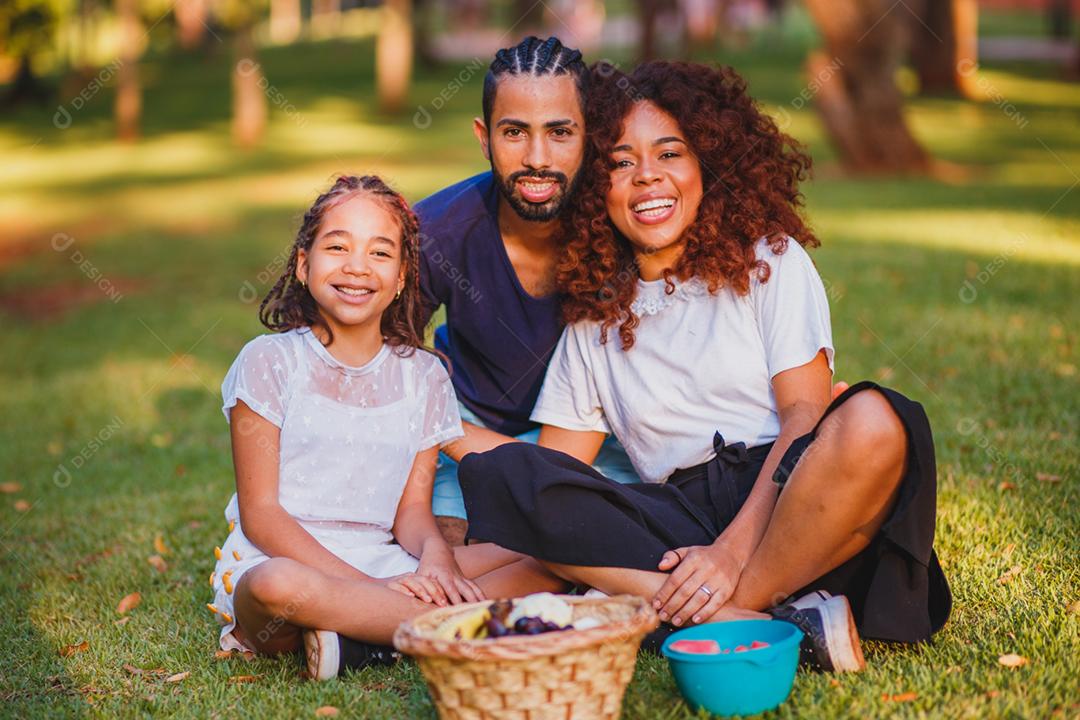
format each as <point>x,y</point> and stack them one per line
<point>181,221</point>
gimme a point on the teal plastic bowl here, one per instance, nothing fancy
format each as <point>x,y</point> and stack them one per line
<point>743,683</point>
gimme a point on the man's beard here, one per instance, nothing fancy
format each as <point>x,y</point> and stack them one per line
<point>536,212</point>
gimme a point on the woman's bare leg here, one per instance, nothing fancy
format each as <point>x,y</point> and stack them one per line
<point>835,502</point>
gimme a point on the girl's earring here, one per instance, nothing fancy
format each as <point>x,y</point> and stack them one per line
<point>397,294</point>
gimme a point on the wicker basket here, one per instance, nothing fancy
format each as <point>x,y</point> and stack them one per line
<point>579,674</point>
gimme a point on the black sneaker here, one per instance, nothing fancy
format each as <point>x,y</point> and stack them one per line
<point>652,642</point>
<point>830,642</point>
<point>327,654</point>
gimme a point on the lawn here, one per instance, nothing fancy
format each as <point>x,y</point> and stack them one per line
<point>126,290</point>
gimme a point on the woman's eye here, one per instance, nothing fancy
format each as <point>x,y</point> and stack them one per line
<point>623,163</point>
<point>669,154</point>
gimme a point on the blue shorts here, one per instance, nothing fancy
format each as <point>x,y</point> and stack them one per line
<point>446,500</point>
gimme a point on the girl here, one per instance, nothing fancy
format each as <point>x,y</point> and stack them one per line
<point>699,335</point>
<point>336,423</point>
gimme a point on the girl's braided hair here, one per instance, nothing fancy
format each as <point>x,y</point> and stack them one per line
<point>290,305</point>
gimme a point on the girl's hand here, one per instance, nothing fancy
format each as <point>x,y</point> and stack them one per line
<point>682,598</point>
<point>414,586</point>
<point>452,587</point>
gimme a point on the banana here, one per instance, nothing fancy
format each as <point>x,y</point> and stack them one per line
<point>463,627</point>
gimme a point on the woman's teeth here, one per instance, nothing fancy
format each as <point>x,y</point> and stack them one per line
<point>653,208</point>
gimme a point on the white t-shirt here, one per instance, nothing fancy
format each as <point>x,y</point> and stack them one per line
<point>349,435</point>
<point>700,364</point>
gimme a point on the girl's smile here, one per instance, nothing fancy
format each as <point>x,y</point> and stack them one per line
<point>354,268</point>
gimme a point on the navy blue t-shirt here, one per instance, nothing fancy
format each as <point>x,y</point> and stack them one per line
<point>498,337</point>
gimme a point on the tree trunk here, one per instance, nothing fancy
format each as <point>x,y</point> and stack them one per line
<point>647,12</point>
<point>1059,18</point>
<point>394,55</point>
<point>285,21</point>
<point>249,100</point>
<point>26,87</point>
<point>325,18</point>
<point>857,97</point>
<point>191,18</point>
<point>944,39</point>
<point>128,92</point>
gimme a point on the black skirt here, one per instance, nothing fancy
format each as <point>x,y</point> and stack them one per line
<point>548,505</point>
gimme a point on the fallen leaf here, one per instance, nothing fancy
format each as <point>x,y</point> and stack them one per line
<point>1010,574</point>
<point>1012,660</point>
<point>132,669</point>
<point>158,563</point>
<point>69,650</point>
<point>22,505</point>
<point>128,603</point>
<point>1047,477</point>
<point>953,669</point>
<point>327,711</point>
<point>834,682</point>
<point>1006,486</point>
<point>181,471</point>
<point>223,654</point>
<point>885,373</point>
<point>177,677</point>
<point>160,546</point>
<point>1054,435</point>
<point>900,697</point>
<point>1075,608</point>
<point>10,487</point>
<point>992,693</point>
<point>244,678</point>
<point>194,524</point>
<point>247,655</point>
<point>161,440</point>
<point>122,621</point>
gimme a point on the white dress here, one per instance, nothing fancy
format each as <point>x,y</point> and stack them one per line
<point>348,439</point>
<point>700,364</point>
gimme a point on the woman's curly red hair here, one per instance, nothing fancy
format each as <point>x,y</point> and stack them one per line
<point>750,177</point>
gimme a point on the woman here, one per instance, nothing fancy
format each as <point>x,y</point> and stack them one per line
<point>698,333</point>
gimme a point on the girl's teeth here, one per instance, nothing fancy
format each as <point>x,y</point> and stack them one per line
<point>350,291</point>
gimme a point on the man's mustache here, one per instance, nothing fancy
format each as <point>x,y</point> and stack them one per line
<point>551,174</point>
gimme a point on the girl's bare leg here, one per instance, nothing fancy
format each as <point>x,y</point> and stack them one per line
<point>277,600</point>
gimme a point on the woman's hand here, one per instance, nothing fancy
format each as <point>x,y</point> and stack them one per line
<point>702,579</point>
<point>438,566</point>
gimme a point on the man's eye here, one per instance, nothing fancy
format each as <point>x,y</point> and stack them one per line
<point>561,132</point>
<point>513,132</point>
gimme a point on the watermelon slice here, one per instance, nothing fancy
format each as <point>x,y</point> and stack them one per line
<point>696,647</point>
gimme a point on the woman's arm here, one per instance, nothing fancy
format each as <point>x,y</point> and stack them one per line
<point>802,394</point>
<point>477,439</point>
<point>581,444</point>
<point>416,531</point>
<point>255,443</point>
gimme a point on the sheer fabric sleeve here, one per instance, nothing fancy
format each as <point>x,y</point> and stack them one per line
<point>440,420</point>
<point>260,377</point>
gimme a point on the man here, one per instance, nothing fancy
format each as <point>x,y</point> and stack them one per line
<point>488,253</point>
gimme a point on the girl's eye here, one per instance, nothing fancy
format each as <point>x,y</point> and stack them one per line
<point>383,253</point>
<point>335,247</point>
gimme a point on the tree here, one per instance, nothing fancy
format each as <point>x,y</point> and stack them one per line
<point>394,55</point>
<point>26,28</point>
<point>128,106</point>
<point>285,20</point>
<point>944,40</point>
<point>857,98</point>
<point>191,22</point>
<point>249,107</point>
